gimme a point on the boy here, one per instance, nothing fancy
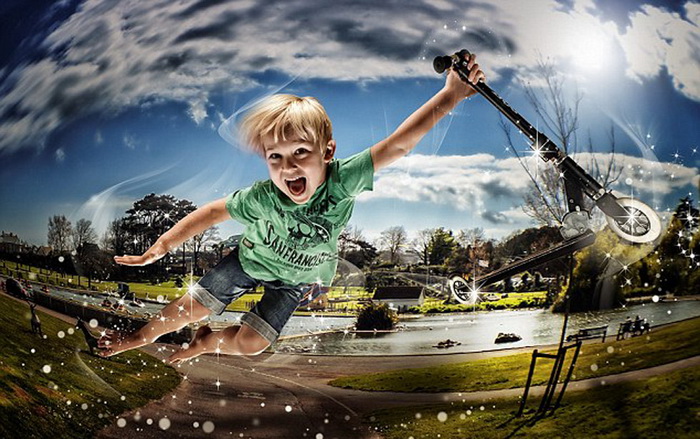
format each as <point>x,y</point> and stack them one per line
<point>292,222</point>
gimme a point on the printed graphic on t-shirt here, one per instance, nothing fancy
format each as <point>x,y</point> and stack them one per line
<point>291,256</point>
<point>305,232</point>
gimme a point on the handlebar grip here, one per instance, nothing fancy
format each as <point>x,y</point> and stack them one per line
<point>442,63</point>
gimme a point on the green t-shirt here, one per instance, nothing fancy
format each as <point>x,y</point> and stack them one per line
<point>297,243</point>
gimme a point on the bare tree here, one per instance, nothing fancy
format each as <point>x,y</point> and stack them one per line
<point>116,236</point>
<point>83,233</point>
<point>199,241</point>
<point>391,240</point>
<point>546,202</point>
<point>421,244</point>
<point>60,231</point>
<point>470,237</point>
<point>348,239</point>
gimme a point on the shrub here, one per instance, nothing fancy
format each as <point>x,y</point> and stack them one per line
<point>376,316</point>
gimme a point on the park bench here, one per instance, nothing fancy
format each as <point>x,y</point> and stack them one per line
<point>599,331</point>
<point>636,327</point>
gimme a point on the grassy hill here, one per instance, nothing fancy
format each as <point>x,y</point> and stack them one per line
<point>53,387</point>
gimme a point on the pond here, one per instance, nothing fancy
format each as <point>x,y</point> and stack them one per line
<point>477,331</point>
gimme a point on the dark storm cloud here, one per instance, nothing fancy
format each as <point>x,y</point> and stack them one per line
<point>483,38</point>
<point>495,217</point>
<point>498,189</point>
<point>171,61</point>
<point>381,41</point>
<point>200,6</point>
<point>223,29</point>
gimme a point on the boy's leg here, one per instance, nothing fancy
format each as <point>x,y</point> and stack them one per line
<point>173,317</point>
<point>216,289</point>
<point>259,329</point>
<point>234,340</point>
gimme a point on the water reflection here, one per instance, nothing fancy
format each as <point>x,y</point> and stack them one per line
<point>477,331</point>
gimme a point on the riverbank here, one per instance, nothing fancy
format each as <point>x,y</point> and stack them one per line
<point>663,345</point>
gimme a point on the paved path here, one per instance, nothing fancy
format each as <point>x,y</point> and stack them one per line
<point>283,396</point>
<point>286,396</point>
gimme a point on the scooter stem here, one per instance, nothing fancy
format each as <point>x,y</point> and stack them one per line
<point>546,148</point>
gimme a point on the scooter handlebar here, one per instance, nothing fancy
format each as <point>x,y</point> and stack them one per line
<point>442,63</point>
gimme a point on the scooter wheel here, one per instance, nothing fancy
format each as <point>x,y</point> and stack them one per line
<point>640,226</point>
<point>461,291</point>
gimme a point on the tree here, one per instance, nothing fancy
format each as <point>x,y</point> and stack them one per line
<point>116,236</point>
<point>470,237</point>
<point>391,240</point>
<point>442,243</point>
<point>356,249</point>
<point>199,241</point>
<point>182,209</point>
<point>687,214</point>
<point>83,233</point>
<point>421,244</point>
<point>347,240</point>
<point>93,263</point>
<point>149,218</point>
<point>60,231</point>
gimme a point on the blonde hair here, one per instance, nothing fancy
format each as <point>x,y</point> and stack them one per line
<point>286,117</point>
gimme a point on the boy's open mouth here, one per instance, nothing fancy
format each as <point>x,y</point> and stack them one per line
<point>296,186</point>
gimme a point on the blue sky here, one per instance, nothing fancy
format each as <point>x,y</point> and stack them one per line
<point>103,102</point>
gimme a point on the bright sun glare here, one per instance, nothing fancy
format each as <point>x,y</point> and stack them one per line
<point>590,47</point>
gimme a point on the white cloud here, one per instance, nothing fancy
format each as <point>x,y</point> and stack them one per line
<point>657,38</point>
<point>198,111</point>
<point>476,182</point>
<point>60,155</point>
<point>130,141</point>
<point>109,56</point>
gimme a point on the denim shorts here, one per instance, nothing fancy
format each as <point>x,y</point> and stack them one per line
<point>227,282</point>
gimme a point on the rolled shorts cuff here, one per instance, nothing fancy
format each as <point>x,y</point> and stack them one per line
<point>260,326</point>
<point>207,299</point>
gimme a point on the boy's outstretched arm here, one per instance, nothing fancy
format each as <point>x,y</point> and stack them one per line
<point>191,225</point>
<point>417,125</point>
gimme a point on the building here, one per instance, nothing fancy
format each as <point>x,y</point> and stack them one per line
<point>401,298</point>
<point>10,243</point>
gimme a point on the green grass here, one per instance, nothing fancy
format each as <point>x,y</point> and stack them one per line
<point>513,301</point>
<point>663,345</point>
<point>352,296</point>
<point>81,393</point>
<point>665,407</point>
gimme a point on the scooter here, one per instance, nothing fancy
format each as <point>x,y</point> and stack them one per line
<point>629,218</point>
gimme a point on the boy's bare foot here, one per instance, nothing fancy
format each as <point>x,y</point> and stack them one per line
<point>115,342</point>
<point>194,349</point>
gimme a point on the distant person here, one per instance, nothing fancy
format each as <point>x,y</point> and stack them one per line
<point>292,221</point>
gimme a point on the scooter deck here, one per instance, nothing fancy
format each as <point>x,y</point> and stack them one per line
<point>563,249</point>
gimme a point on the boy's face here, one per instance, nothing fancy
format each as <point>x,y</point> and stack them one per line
<point>297,168</point>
